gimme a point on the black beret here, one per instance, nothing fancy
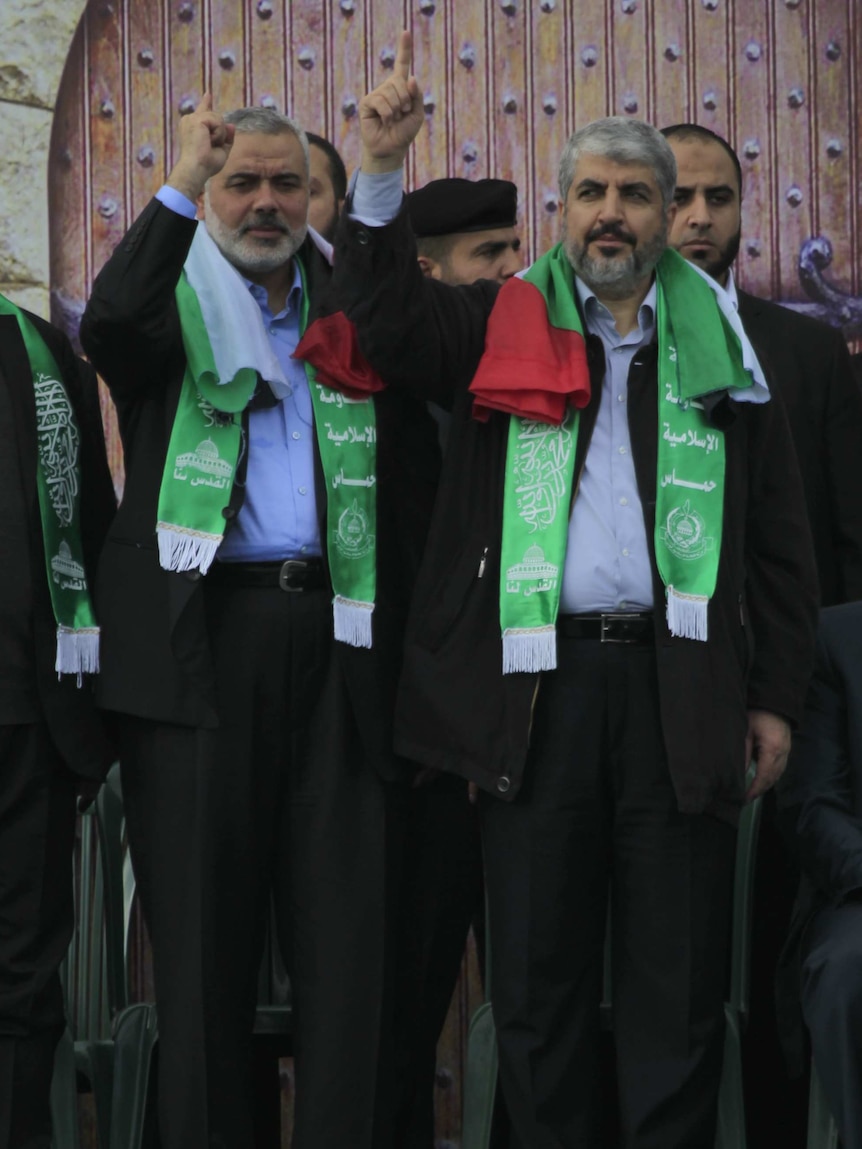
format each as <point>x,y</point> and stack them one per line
<point>448,207</point>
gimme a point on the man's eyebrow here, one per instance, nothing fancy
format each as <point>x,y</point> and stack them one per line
<point>495,246</point>
<point>591,185</point>
<point>637,186</point>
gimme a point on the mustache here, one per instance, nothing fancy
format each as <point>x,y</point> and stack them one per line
<point>613,230</point>
<point>264,219</point>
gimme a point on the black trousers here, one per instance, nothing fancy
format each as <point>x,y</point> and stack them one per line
<point>597,815</point>
<point>278,803</point>
<point>438,891</point>
<point>831,957</point>
<point>37,828</point>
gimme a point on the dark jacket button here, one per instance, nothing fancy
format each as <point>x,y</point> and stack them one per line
<point>363,237</point>
<point>229,513</point>
<point>503,784</point>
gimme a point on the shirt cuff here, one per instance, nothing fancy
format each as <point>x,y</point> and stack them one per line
<point>376,198</point>
<point>176,201</point>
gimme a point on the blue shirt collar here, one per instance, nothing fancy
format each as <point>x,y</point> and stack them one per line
<point>593,306</point>
<point>294,295</point>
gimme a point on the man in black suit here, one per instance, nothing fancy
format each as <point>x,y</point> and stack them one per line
<point>465,231</point>
<point>52,742</point>
<point>254,745</point>
<point>806,360</point>
<point>610,741</point>
<point>808,364</point>
<point>820,810</point>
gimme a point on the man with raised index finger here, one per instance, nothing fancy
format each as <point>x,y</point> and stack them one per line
<point>254,587</point>
<point>614,615</point>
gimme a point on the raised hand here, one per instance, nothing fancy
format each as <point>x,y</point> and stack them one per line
<point>390,117</point>
<point>205,141</point>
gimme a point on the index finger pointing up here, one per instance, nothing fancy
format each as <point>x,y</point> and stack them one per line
<point>404,56</point>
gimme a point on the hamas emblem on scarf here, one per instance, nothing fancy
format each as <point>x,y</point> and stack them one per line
<point>683,533</point>
<point>352,536</point>
<point>65,571</point>
<point>58,446</point>
<point>534,571</point>
<point>212,471</point>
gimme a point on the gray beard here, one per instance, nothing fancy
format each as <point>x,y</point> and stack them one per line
<point>247,255</point>
<point>616,277</point>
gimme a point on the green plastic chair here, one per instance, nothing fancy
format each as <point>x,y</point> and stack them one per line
<point>84,1058</point>
<point>822,1130</point>
<point>480,1083</point>
<point>135,1026</point>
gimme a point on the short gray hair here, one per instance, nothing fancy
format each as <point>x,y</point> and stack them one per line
<point>268,122</point>
<point>625,141</point>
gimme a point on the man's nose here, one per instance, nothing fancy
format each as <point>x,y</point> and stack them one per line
<point>510,263</point>
<point>611,209</point>
<point>698,213</point>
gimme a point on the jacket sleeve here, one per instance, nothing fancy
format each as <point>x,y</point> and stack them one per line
<point>130,328</point>
<point>815,797</point>
<point>781,575</point>
<point>417,333</point>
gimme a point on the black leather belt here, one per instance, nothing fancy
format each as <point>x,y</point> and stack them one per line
<point>289,575</point>
<point>620,627</point>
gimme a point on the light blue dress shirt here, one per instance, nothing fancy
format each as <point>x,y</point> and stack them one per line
<point>278,518</point>
<point>607,556</point>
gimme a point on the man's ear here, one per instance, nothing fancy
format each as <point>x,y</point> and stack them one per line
<point>671,213</point>
<point>200,203</point>
<point>429,267</point>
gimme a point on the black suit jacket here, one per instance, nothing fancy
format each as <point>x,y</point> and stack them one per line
<point>820,801</point>
<point>69,710</point>
<point>156,654</point>
<point>456,709</point>
<point>809,364</point>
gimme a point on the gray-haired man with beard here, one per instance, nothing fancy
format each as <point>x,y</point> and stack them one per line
<point>615,612</point>
<point>252,589</point>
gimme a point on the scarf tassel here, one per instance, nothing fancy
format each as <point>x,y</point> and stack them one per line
<point>529,650</point>
<point>77,651</point>
<point>687,614</point>
<point>352,621</point>
<point>185,550</point>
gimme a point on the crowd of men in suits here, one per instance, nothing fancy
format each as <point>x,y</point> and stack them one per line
<point>431,580</point>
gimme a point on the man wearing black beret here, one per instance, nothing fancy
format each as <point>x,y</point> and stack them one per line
<point>465,229</point>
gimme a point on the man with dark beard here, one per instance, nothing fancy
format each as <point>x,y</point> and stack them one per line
<point>808,364</point>
<point>254,586</point>
<point>806,360</point>
<point>615,613</point>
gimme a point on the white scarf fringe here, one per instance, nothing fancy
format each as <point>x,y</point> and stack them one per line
<point>687,614</point>
<point>352,621</point>
<point>77,651</point>
<point>181,549</point>
<point>529,650</point>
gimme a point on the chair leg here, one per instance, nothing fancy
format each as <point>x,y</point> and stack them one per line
<point>64,1096</point>
<point>822,1130</point>
<point>135,1040</point>
<point>480,1083</point>
<point>730,1130</point>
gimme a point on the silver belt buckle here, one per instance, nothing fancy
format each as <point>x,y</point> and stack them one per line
<point>288,568</point>
<point>607,620</point>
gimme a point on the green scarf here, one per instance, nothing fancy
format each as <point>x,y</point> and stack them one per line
<point>698,354</point>
<point>58,483</point>
<point>203,456</point>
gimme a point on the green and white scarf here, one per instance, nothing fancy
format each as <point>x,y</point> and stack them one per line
<point>58,483</point>
<point>700,352</point>
<point>207,439</point>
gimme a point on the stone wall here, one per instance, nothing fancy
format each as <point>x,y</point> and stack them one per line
<point>35,37</point>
